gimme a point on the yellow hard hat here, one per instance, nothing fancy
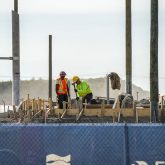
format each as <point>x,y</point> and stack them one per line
<point>75,78</point>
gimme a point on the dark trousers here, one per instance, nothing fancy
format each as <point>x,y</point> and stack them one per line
<point>62,98</point>
<point>87,98</point>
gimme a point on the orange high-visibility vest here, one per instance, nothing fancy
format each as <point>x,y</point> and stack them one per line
<point>62,86</point>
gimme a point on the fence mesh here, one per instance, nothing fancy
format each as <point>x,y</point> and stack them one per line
<point>81,144</point>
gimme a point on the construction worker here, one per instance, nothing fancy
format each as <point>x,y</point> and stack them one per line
<point>62,89</point>
<point>82,89</point>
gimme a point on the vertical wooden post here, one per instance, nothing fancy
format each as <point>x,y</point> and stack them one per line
<point>50,106</point>
<point>107,89</point>
<point>24,107</point>
<point>15,113</point>
<point>45,114</point>
<point>154,89</point>
<point>8,113</point>
<point>44,109</point>
<point>33,107</point>
<point>137,95</point>
<point>50,67</point>
<point>162,109</point>
<point>113,117</point>
<point>21,110</point>
<point>64,109</point>
<point>134,109</point>
<point>128,48</point>
<point>39,106</point>
<point>28,108</point>
<point>28,98</point>
<point>41,101</point>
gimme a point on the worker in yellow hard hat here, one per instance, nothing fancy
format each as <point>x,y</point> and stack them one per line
<point>82,89</point>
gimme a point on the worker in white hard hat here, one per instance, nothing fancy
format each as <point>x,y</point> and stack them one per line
<point>62,89</point>
<point>82,89</point>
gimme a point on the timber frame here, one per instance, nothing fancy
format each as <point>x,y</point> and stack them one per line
<point>33,109</point>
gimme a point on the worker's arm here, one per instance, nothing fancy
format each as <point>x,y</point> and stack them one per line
<point>68,87</point>
<point>56,87</point>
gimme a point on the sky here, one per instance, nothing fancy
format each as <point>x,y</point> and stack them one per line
<point>88,38</point>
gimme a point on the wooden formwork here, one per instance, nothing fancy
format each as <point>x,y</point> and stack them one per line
<point>31,108</point>
<point>39,108</point>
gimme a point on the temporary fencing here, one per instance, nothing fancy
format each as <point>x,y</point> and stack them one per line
<point>82,144</point>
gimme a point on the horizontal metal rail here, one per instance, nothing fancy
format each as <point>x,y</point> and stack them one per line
<point>6,58</point>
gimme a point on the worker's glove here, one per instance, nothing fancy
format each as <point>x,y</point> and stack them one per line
<point>75,90</point>
<point>77,98</point>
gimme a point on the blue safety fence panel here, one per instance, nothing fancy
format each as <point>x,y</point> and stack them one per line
<point>10,145</point>
<point>21,145</point>
<point>146,143</point>
<point>82,144</point>
<point>87,144</point>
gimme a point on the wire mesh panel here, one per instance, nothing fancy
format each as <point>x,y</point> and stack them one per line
<point>21,143</point>
<point>146,143</point>
<point>86,144</point>
<point>82,144</point>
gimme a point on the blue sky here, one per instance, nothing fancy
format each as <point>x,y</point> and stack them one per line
<point>88,38</point>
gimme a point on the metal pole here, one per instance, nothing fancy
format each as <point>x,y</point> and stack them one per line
<point>126,146</point>
<point>16,6</point>
<point>154,86</point>
<point>107,89</point>
<point>137,96</point>
<point>16,55</point>
<point>128,48</point>
<point>6,58</point>
<point>50,67</point>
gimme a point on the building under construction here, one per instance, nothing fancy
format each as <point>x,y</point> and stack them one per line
<point>109,131</point>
